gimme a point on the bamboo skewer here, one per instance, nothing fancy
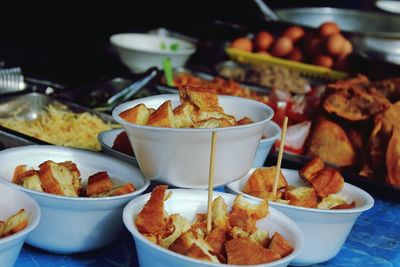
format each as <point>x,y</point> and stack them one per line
<point>211,182</point>
<point>280,155</point>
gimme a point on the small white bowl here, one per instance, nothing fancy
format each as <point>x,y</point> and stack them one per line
<point>106,140</point>
<point>74,224</point>
<point>142,51</point>
<point>188,203</point>
<point>271,134</point>
<point>181,156</point>
<point>325,231</point>
<point>11,201</point>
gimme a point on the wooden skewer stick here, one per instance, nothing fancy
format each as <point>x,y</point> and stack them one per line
<point>280,155</point>
<point>211,182</point>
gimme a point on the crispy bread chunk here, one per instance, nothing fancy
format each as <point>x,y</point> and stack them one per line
<point>280,245</point>
<point>200,97</point>
<point>212,123</point>
<point>327,181</point>
<point>262,180</point>
<point>333,201</point>
<point>204,115</point>
<point>138,114</point>
<point>15,223</point>
<point>122,144</point>
<point>255,211</point>
<point>220,214</point>
<point>76,174</point>
<point>244,121</point>
<point>243,251</point>
<point>359,80</point>
<point>163,116</point>
<point>98,183</point>
<point>179,225</point>
<point>31,180</point>
<point>182,244</point>
<point>183,115</point>
<point>303,197</point>
<point>18,170</point>
<point>201,250</point>
<point>216,239</point>
<point>123,189</point>
<point>313,166</point>
<point>151,219</point>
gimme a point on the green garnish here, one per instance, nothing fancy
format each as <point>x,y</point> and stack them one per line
<point>174,46</point>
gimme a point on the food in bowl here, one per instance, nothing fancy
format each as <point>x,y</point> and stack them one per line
<point>199,109</point>
<point>14,224</point>
<point>233,239</point>
<point>64,178</point>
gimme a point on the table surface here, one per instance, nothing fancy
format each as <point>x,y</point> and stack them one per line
<point>373,241</point>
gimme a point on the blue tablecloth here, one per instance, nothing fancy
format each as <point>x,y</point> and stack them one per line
<point>373,241</point>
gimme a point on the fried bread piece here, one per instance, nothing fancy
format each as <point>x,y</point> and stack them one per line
<point>212,123</point>
<point>15,223</point>
<point>30,179</point>
<point>183,115</point>
<point>262,180</point>
<point>98,183</point>
<point>204,115</point>
<point>163,116</point>
<point>303,197</point>
<point>201,250</point>
<point>327,181</point>
<point>216,240</point>
<point>17,171</point>
<point>393,158</point>
<point>122,144</point>
<point>202,98</point>
<point>123,189</point>
<point>139,114</point>
<point>182,244</point>
<point>313,166</point>
<point>219,214</point>
<point>76,174</point>
<point>244,121</point>
<point>332,201</point>
<point>360,81</point>
<point>179,225</point>
<point>280,245</point>
<point>255,211</point>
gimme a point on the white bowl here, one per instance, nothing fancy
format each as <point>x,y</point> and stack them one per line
<point>181,156</point>
<point>271,134</point>
<point>141,51</point>
<point>11,201</point>
<point>325,231</point>
<point>188,203</point>
<point>106,140</point>
<point>72,224</point>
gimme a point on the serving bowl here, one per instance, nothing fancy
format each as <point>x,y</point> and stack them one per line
<point>181,156</point>
<point>139,52</point>
<point>11,201</point>
<point>74,224</point>
<point>188,203</point>
<point>325,231</point>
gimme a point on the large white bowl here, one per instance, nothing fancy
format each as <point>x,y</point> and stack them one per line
<point>325,231</point>
<point>270,135</point>
<point>72,224</point>
<point>141,51</point>
<point>11,201</point>
<point>188,203</point>
<point>181,156</point>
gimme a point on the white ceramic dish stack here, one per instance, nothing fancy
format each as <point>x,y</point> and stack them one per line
<point>325,231</point>
<point>181,156</point>
<point>11,201</point>
<point>188,203</point>
<point>70,224</point>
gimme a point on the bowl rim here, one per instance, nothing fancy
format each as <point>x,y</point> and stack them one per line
<point>32,224</point>
<point>114,40</point>
<point>129,224</point>
<point>100,138</point>
<point>68,198</point>
<point>369,200</point>
<point>274,137</point>
<point>120,108</point>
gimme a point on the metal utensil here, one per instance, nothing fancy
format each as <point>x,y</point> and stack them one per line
<point>264,8</point>
<point>11,80</point>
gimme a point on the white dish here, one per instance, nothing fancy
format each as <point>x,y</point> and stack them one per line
<point>141,51</point>
<point>69,224</point>
<point>188,203</point>
<point>325,231</point>
<point>106,140</point>
<point>181,156</point>
<point>389,6</point>
<point>11,201</point>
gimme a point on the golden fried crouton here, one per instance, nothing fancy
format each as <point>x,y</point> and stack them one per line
<point>243,251</point>
<point>212,123</point>
<point>201,250</point>
<point>123,189</point>
<point>344,206</point>
<point>151,219</point>
<point>200,97</point>
<point>216,239</point>
<point>138,114</point>
<point>240,218</point>
<point>179,225</point>
<point>303,197</point>
<point>332,201</point>
<point>182,244</point>
<point>280,245</point>
<point>163,116</point>
<point>262,179</point>
<point>268,195</point>
<point>98,183</point>
<point>220,214</point>
<point>57,179</point>
<point>31,180</point>
<point>2,228</point>
<point>204,115</point>
<point>260,237</point>
<point>237,232</point>
<point>244,121</point>
<point>122,144</point>
<point>16,223</point>
<point>255,211</point>
<point>313,166</point>
<point>18,170</point>
<point>76,174</point>
<point>183,115</point>
<point>327,181</point>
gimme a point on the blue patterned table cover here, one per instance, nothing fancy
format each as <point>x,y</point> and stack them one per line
<point>373,241</point>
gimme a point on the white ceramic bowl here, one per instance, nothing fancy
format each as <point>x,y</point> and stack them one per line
<point>325,231</point>
<point>106,140</point>
<point>181,157</point>
<point>188,203</point>
<point>272,133</point>
<point>72,224</point>
<point>141,51</point>
<point>11,201</point>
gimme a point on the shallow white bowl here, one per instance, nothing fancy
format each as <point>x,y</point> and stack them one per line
<point>181,156</point>
<point>272,133</point>
<point>106,140</point>
<point>325,231</point>
<point>70,224</point>
<point>141,51</point>
<point>11,201</point>
<point>188,203</point>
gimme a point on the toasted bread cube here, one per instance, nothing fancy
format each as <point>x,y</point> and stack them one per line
<point>303,197</point>
<point>122,190</point>
<point>220,214</point>
<point>204,115</point>
<point>76,174</point>
<point>2,228</point>
<point>163,116</point>
<point>243,251</point>
<point>335,201</point>
<point>260,237</point>
<point>327,181</point>
<point>18,170</point>
<point>212,123</point>
<point>16,223</point>
<point>139,114</point>
<point>280,245</point>
<point>183,115</point>
<point>200,97</point>
<point>98,183</point>
<point>312,167</point>
<point>262,179</point>
<point>255,211</point>
<point>241,218</point>
<point>57,179</point>
<point>182,244</point>
<point>201,250</point>
<point>216,240</point>
<point>244,121</point>
<point>122,144</point>
<point>31,180</point>
<point>179,225</point>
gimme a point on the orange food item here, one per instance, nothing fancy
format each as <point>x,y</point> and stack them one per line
<point>312,167</point>
<point>243,43</point>
<point>262,179</point>
<point>347,49</point>
<point>295,33</point>
<point>20,169</point>
<point>98,183</point>
<point>323,61</point>
<point>303,197</point>
<point>335,44</point>
<point>327,181</point>
<point>264,40</point>
<point>296,55</point>
<point>315,47</point>
<point>280,245</point>
<point>122,144</point>
<point>393,158</point>
<point>328,28</point>
<point>282,47</point>
<point>122,190</point>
